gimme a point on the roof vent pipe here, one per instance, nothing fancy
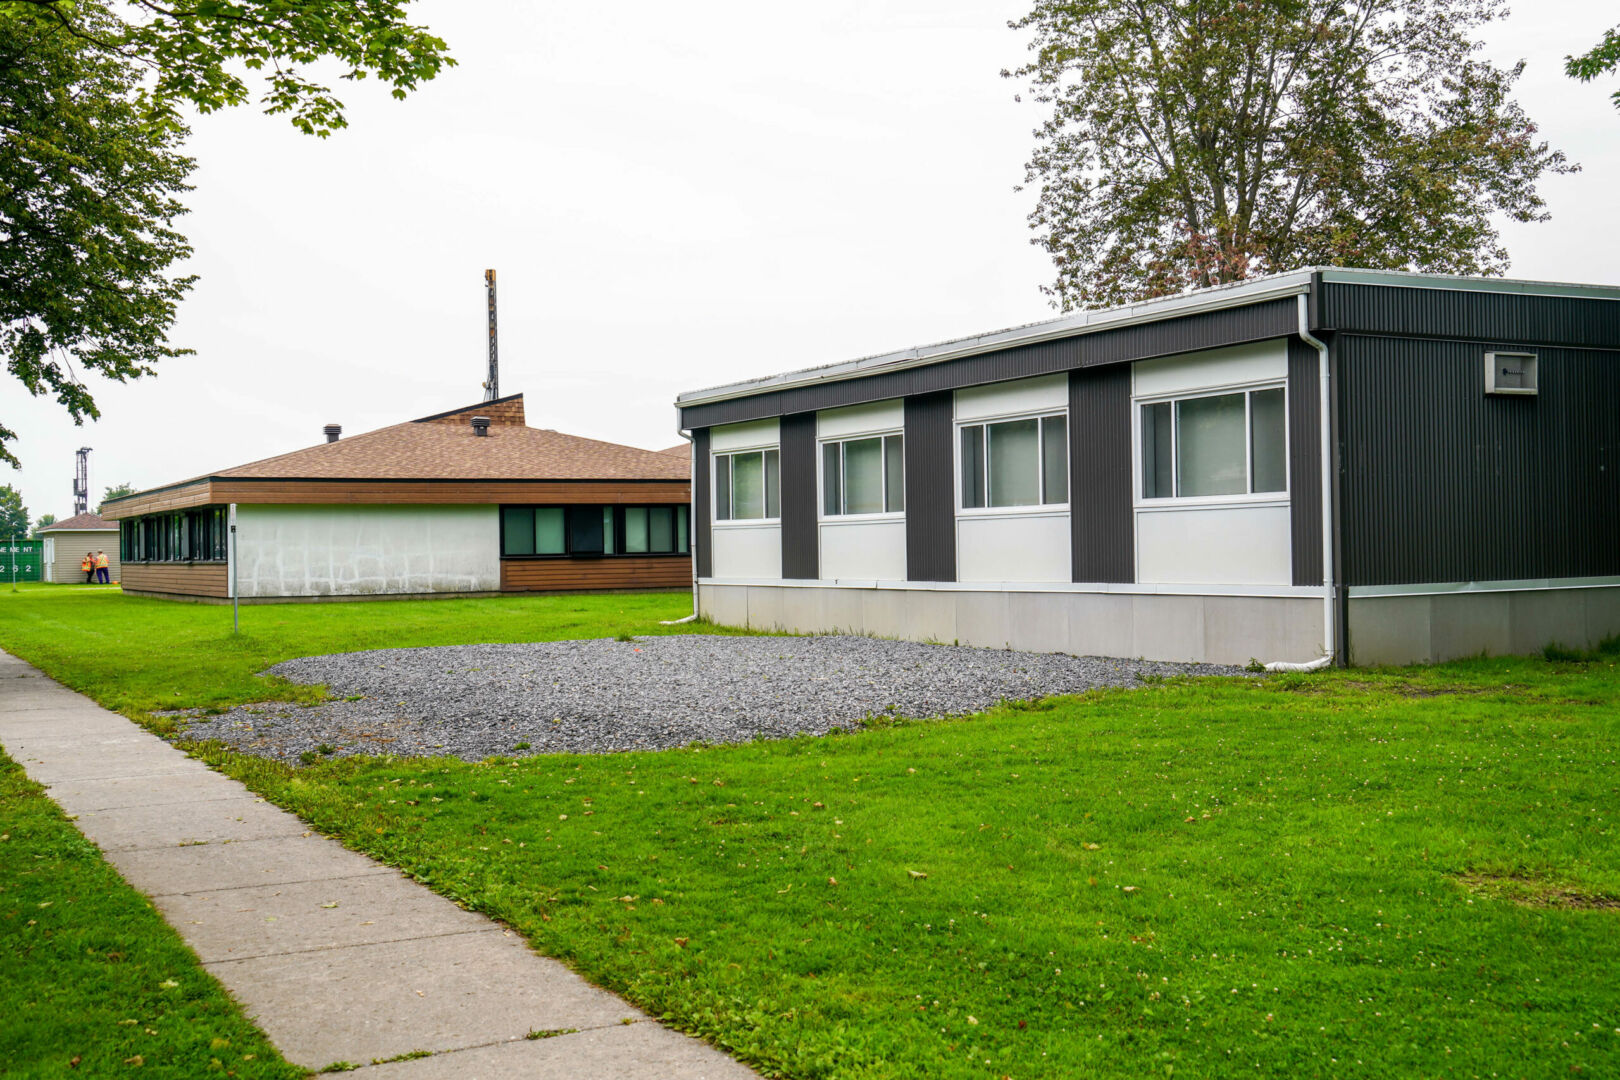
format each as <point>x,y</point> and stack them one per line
<point>333,431</point>
<point>480,425</point>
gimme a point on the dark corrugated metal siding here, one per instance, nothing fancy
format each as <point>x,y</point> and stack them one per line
<point>702,512</point>
<point>800,547</point>
<point>1304,462</point>
<point>1454,313</point>
<point>1443,483</point>
<point>1210,330</point>
<point>1101,519</point>
<point>930,488</point>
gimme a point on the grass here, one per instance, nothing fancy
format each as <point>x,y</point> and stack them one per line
<point>1367,873</point>
<point>95,983</point>
<point>139,655</point>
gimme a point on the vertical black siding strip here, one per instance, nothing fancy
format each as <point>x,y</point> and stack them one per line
<point>1444,483</point>
<point>930,488</point>
<point>800,547</point>
<point>1102,523</point>
<point>701,510</point>
<point>1305,461</point>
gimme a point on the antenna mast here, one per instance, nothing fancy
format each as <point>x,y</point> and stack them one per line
<point>492,386</point>
<point>81,482</point>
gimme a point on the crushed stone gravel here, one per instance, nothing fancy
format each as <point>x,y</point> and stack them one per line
<point>599,696</point>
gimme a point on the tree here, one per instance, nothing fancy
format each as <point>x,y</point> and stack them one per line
<point>13,514</point>
<point>89,175</point>
<point>45,520</point>
<point>90,164</point>
<point>1604,58</point>
<point>117,491</point>
<point>1195,142</point>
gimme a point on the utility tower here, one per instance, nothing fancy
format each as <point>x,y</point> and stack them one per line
<point>492,386</point>
<point>81,482</point>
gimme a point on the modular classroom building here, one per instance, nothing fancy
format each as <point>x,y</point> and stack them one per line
<point>468,502</point>
<point>1151,480</point>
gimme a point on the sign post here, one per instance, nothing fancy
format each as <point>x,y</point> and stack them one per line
<point>236,618</point>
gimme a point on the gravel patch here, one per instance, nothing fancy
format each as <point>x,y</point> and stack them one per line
<point>474,701</point>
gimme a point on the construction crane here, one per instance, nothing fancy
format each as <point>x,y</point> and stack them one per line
<point>81,483</point>
<point>492,386</point>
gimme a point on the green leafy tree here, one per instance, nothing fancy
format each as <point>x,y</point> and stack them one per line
<point>13,514</point>
<point>117,491</point>
<point>1603,59</point>
<point>45,521</point>
<point>1194,142</point>
<point>91,171</point>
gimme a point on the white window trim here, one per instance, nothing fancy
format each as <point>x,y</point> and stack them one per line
<point>1184,502</point>
<point>824,518</point>
<point>1029,509</point>
<point>715,521</point>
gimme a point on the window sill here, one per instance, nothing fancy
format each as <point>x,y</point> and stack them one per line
<point>1214,502</point>
<point>748,523</point>
<point>863,519</point>
<point>968,513</point>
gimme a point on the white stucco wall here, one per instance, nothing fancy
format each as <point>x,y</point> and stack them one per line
<point>367,550</point>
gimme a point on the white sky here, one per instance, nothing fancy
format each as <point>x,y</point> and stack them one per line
<point>674,196</point>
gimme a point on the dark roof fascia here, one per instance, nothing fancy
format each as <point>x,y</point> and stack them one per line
<point>1532,311</point>
<point>466,408</point>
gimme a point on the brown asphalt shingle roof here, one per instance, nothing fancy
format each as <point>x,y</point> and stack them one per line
<point>680,450</point>
<point>81,522</point>
<point>431,451</point>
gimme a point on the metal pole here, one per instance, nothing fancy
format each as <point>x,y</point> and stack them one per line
<point>492,387</point>
<point>236,608</point>
<point>13,562</point>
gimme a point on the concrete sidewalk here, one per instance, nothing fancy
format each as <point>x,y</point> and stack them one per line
<point>335,957</point>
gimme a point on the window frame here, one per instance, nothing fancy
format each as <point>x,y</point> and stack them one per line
<point>845,517</point>
<point>193,535</point>
<point>613,543</point>
<point>1139,498</point>
<point>1035,509</point>
<point>762,449</point>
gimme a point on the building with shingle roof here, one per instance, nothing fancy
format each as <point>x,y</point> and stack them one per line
<point>468,501</point>
<point>67,542</point>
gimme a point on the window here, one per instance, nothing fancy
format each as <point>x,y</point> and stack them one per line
<point>863,476</point>
<point>746,485</point>
<point>1219,444</point>
<point>185,536</point>
<point>594,530</point>
<point>1021,462</point>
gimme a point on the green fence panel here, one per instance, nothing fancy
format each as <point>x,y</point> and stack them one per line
<point>22,558</point>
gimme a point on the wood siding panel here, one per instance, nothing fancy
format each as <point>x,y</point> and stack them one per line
<point>618,572</point>
<point>183,579</point>
<point>179,497</point>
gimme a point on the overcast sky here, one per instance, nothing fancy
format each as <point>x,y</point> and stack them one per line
<point>674,196</point>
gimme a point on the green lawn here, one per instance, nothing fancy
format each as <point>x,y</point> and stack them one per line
<point>1373,874</point>
<point>95,983</point>
<point>137,655</point>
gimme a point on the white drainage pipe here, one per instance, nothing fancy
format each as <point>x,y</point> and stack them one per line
<point>1329,624</point>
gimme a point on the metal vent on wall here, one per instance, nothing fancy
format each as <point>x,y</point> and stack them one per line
<point>1510,373</point>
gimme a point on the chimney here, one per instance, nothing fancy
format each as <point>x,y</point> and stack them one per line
<point>333,431</point>
<point>480,425</point>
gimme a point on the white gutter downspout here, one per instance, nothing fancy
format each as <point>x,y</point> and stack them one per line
<point>691,524</point>
<point>1329,624</point>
